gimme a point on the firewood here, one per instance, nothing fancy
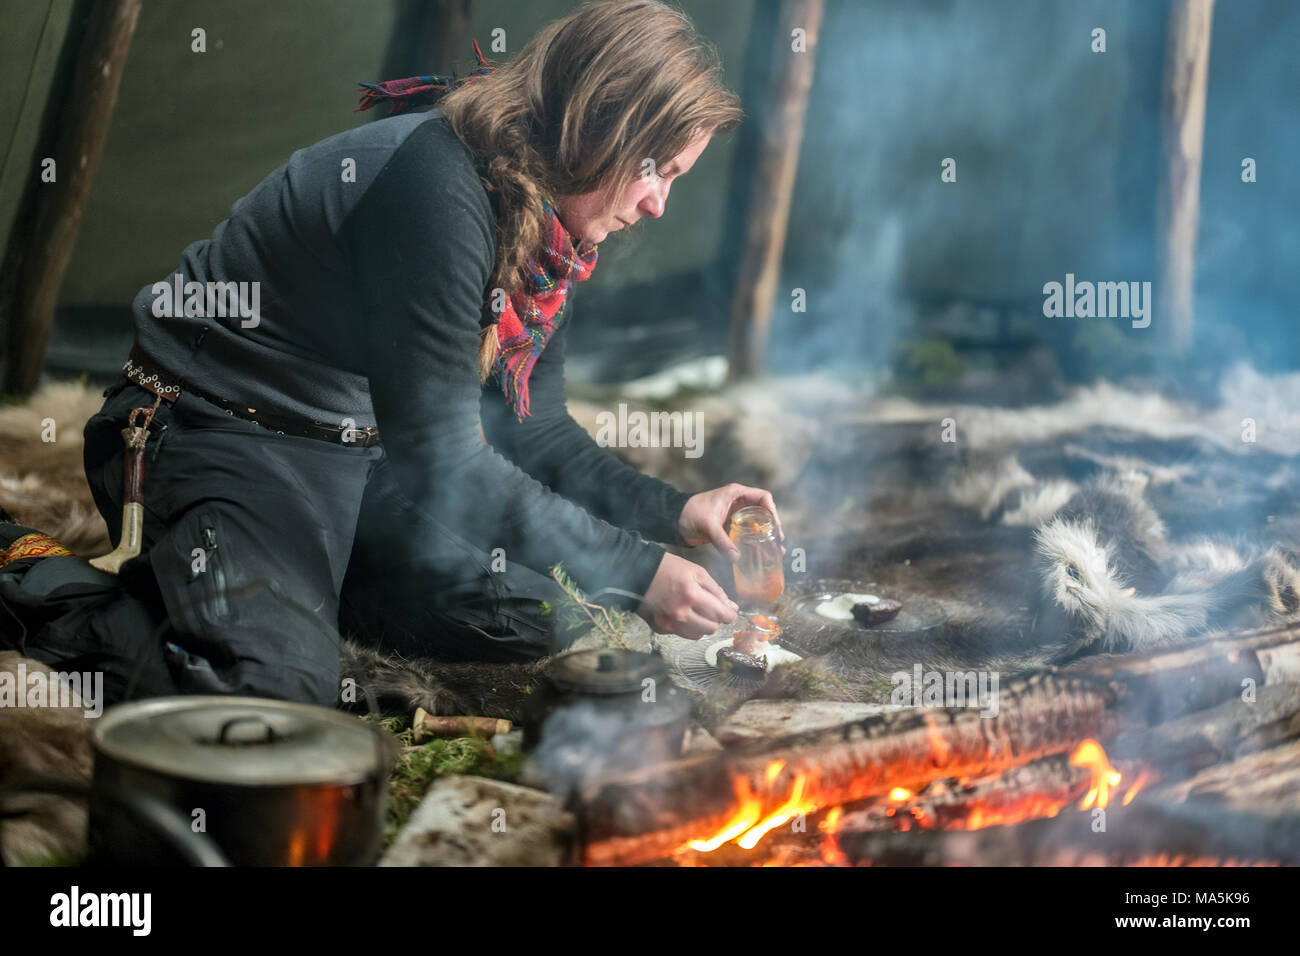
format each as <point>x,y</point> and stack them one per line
<point>1139,834</point>
<point>653,812</point>
<point>1158,686</point>
<point>1268,777</point>
<point>1170,683</point>
<point>649,813</point>
<point>1218,734</point>
<point>1042,788</point>
<point>426,725</point>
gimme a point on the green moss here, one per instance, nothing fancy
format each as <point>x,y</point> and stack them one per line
<point>54,859</point>
<point>418,766</point>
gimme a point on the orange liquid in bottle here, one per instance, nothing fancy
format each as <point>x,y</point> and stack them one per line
<point>760,577</point>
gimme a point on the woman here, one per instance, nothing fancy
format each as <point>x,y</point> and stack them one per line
<point>410,278</point>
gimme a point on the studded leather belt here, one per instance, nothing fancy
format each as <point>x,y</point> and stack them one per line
<point>152,377</point>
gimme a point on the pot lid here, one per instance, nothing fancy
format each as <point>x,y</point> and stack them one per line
<point>243,741</point>
<point>607,671</point>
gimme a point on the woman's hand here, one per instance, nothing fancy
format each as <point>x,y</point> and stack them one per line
<point>704,518</point>
<point>682,599</point>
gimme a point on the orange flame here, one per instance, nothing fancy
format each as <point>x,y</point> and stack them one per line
<point>749,822</point>
<point>1031,808</point>
<point>830,849</point>
<point>747,825</point>
<point>750,809</point>
<point>1138,784</point>
<point>937,743</point>
<point>780,815</point>
<point>1091,755</point>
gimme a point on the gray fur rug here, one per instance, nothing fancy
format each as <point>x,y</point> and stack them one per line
<point>1108,519</point>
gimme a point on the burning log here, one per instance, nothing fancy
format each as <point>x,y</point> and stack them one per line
<point>1043,788</point>
<point>1146,834</point>
<point>1157,686</point>
<point>650,813</point>
<point>1056,785</point>
<point>655,812</point>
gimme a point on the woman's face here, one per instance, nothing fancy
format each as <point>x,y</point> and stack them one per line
<point>593,216</point>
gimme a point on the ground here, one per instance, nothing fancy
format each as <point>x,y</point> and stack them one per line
<point>936,502</point>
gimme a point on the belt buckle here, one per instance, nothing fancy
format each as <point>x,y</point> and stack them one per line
<point>360,437</point>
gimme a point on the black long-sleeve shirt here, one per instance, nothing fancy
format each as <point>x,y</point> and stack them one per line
<point>373,251</point>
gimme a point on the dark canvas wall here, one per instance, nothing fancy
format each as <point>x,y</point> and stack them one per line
<point>1057,151</point>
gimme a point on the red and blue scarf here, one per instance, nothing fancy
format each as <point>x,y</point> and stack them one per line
<point>533,313</point>
<point>416,92</point>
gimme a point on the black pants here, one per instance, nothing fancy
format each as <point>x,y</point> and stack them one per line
<point>417,588</point>
<point>248,536</point>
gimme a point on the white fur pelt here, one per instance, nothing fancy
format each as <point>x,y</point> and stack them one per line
<point>1111,580</point>
<point>1082,474</point>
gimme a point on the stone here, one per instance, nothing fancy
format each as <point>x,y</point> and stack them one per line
<point>474,821</point>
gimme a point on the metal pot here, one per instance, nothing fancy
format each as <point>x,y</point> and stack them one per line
<point>601,710</point>
<point>269,782</point>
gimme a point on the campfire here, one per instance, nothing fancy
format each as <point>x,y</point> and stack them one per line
<point>1116,760</point>
<point>1040,790</point>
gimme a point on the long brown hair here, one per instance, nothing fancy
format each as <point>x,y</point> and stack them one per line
<point>580,108</point>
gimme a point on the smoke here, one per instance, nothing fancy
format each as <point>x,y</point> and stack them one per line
<point>1056,157</point>
<point>584,739</point>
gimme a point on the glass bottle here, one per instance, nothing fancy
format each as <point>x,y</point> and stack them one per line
<point>760,577</point>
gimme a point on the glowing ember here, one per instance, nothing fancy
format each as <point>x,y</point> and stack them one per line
<point>831,853</point>
<point>900,794</point>
<point>1031,808</point>
<point>1089,754</point>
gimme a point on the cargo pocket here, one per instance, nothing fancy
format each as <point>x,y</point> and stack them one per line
<point>212,565</point>
<point>194,573</point>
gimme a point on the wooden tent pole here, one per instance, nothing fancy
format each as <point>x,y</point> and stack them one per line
<point>1187,59</point>
<point>47,233</point>
<point>769,203</point>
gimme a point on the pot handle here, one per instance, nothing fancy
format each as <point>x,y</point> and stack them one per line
<point>245,719</point>
<point>197,849</point>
